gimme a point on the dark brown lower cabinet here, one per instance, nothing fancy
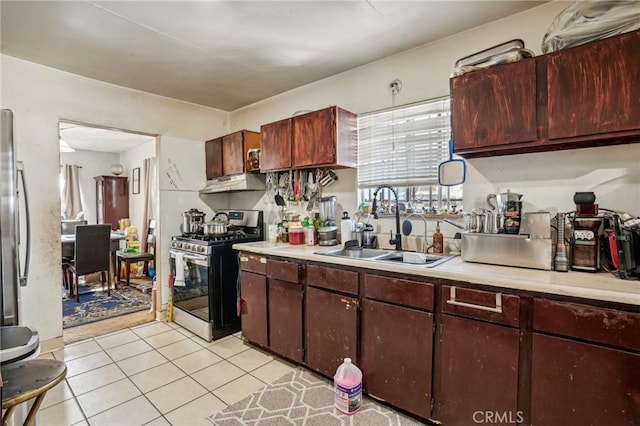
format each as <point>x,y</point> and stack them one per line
<point>285,319</point>
<point>479,372</point>
<point>576,383</point>
<point>397,347</point>
<point>331,330</point>
<point>253,288</point>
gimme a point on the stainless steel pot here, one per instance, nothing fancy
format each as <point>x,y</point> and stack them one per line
<point>192,221</point>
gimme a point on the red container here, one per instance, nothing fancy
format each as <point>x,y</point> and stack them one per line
<point>296,235</point>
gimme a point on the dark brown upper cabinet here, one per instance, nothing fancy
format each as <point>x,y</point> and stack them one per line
<point>578,97</point>
<point>594,89</point>
<point>275,153</point>
<point>227,155</point>
<point>494,107</point>
<point>323,138</point>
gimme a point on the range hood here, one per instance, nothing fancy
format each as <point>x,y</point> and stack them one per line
<point>242,182</point>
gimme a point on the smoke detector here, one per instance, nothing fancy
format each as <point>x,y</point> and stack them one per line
<point>395,87</point>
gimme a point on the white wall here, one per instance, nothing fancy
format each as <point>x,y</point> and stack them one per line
<point>39,97</point>
<point>546,179</point>
<point>131,159</point>
<point>93,164</point>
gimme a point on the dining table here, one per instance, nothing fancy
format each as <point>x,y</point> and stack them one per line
<point>68,243</point>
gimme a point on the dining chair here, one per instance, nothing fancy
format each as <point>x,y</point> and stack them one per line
<point>68,227</point>
<point>149,255</point>
<point>92,254</point>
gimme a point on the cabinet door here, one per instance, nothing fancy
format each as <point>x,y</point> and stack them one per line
<point>397,346</point>
<point>594,89</point>
<point>494,107</point>
<point>253,290</point>
<point>275,149</point>
<point>233,154</point>
<point>331,330</point>
<point>213,158</point>
<point>112,199</point>
<point>314,138</point>
<point>575,383</point>
<point>285,319</point>
<point>479,371</point>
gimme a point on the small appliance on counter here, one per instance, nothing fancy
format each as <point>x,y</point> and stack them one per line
<point>532,247</point>
<point>509,212</point>
<point>369,239</point>
<point>585,251</point>
<point>624,241</point>
<point>328,230</point>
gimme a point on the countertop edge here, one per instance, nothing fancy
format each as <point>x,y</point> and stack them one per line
<point>595,286</point>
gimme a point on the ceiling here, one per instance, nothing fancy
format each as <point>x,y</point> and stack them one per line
<point>228,54</point>
<point>87,138</point>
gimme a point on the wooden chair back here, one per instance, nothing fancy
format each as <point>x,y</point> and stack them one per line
<point>92,248</point>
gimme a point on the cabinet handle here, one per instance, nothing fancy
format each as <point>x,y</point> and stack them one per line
<point>452,301</point>
<point>244,259</point>
<point>263,260</point>
<point>348,303</point>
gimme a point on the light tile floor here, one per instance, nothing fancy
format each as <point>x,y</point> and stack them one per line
<point>155,374</point>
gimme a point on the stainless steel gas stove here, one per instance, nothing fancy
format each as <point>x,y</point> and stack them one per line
<point>205,274</point>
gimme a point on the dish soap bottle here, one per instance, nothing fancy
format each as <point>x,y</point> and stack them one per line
<point>438,240</point>
<point>347,385</point>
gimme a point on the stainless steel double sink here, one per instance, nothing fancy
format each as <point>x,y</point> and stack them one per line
<point>388,256</point>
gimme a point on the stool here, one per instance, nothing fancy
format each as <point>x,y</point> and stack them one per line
<point>129,258</point>
<point>25,380</point>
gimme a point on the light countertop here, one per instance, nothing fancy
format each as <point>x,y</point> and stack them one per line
<point>598,286</point>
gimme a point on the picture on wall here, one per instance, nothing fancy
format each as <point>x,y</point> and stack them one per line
<point>135,182</point>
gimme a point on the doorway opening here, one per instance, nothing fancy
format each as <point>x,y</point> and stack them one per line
<point>107,176</point>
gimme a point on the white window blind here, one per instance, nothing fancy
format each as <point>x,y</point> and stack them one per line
<point>403,146</point>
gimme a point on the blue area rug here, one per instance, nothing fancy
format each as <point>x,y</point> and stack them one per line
<point>95,305</point>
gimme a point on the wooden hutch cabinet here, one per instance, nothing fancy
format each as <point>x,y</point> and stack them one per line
<point>112,199</point>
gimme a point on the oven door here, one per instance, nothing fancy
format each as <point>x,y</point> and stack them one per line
<point>193,297</point>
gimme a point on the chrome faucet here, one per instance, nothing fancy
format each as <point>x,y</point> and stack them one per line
<point>398,238</point>
<point>425,245</point>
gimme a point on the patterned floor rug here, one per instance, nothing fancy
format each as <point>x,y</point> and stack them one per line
<point>95,305</point>
<point>303,398</point>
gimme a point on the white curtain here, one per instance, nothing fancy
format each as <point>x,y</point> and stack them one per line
<point>150,195</point>
<point>71,198</point>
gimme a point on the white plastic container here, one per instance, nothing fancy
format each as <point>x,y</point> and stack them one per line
<point>347,385</point>
<point>346,227</point>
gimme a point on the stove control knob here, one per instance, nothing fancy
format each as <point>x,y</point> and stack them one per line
<point>201,249</point>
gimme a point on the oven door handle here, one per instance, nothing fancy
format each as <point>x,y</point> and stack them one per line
<point>197,259</point>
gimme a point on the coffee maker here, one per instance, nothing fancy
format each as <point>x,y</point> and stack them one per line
<point>328,230</point>
<point>585,251</point>
<point>509,211</point>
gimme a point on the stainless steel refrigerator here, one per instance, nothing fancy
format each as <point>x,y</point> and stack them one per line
<point>10,200</point>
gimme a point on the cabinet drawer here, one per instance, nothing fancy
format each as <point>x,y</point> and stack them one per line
<point>283,270</point>
<point>253,262</point>
<point>332,279</point>
<point>483,305</point>
<point>402,292</point>
<point>600,325</point>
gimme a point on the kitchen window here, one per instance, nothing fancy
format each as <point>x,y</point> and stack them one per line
<point>402,147</point>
